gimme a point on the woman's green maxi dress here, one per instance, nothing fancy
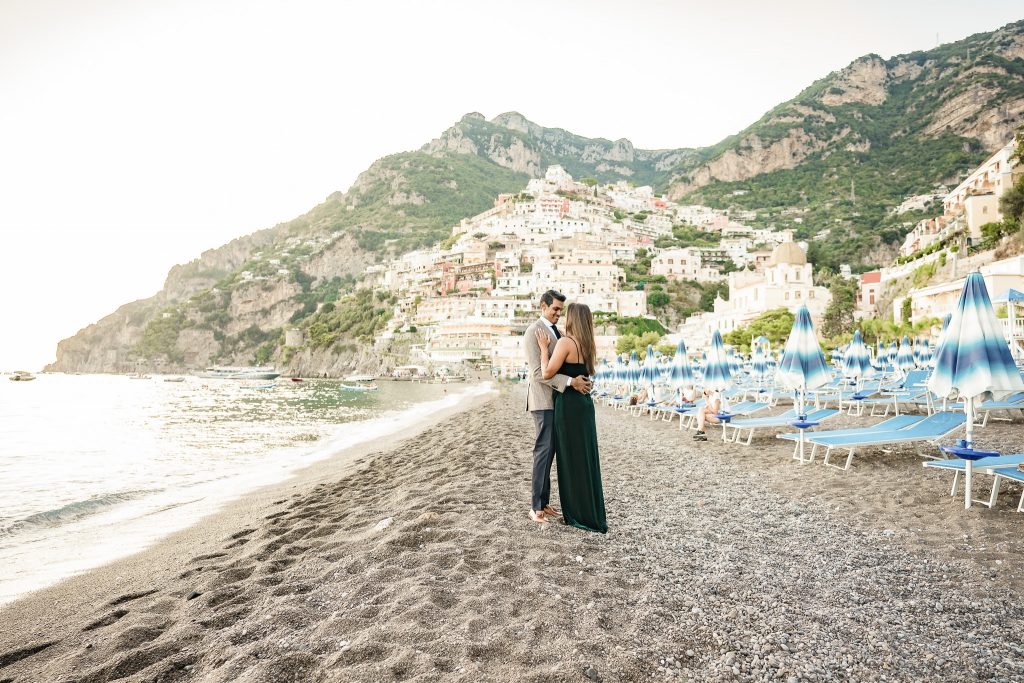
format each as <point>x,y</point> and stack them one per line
<point>579,468</point>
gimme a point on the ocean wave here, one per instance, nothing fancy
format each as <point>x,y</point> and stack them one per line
<point>72,512</point>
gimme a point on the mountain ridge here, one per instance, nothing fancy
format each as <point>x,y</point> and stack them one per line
<point>841,153</point>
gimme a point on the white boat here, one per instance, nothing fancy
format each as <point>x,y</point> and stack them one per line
<point>358,387</point>
<point>224,372</point>
<point>174,379</point>
<point>360,378</point>
<point>22,376</point>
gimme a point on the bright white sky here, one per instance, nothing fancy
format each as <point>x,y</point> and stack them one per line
<point>134,135</point>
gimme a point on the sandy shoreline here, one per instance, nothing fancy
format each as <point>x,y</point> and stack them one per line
<point>721,563</point>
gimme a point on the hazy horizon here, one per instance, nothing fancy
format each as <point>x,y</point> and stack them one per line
<point>139,136</point>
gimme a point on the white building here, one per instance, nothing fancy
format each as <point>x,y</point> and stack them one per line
<point>684,264</point>
<point>787,282</point>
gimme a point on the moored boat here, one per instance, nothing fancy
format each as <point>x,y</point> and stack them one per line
<point>224,372</point>
<point>22,376</point>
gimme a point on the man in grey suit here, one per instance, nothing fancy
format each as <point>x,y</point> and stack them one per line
<point>540,402</point>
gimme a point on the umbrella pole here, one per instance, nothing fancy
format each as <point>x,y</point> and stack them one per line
<point>969,410</point>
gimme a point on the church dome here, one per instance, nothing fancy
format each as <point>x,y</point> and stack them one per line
<point>789,252</point>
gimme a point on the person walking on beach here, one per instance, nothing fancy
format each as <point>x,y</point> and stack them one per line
<point>540,401</point>
<point>579,467</point>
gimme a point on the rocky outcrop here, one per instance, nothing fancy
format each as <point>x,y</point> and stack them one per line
<point>864,81</point>
<point>753,157</point>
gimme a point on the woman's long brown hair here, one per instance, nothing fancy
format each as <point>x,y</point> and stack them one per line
<point>579,325</point>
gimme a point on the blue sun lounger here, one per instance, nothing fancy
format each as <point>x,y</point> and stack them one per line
<point>997,465</point>
<point>739,409</point>
<point>930,429</point>
<point>774,422</point>
<point>893,423</point>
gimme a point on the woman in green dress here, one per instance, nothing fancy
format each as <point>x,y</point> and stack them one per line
<point>579,467</point>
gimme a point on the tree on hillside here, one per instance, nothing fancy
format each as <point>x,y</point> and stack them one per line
<point>1011,204</point>
<point>775,324</point>
<point>838,316</point>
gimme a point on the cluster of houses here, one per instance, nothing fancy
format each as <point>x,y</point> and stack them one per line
<point>471,297</point>
<point>938,243</point>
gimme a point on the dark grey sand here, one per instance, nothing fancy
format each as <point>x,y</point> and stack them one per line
<point>418,562</point>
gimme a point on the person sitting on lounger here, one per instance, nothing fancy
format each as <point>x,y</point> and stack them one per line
<point>714,403</point>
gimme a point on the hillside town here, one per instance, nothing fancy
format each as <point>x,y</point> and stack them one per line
<point>472,296</point>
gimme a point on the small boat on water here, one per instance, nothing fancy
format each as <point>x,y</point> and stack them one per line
<point>224,372</point>
<point>22,376</point>
<point>296,379</point>
<point>174,379</point>
<point>358,387</point>
<point>360,378</point>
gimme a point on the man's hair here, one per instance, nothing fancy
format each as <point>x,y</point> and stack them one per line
<point>548,297</point>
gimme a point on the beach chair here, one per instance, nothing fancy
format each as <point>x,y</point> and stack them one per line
<point>989,466</point>
<point>893,423</point>
<point>929,430</point>
<point>1010,474</point>
<point>1010,403</point>
<point>773,422</point>
<point>739,409</point>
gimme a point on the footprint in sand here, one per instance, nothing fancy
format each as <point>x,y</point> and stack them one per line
<point>107,620</point>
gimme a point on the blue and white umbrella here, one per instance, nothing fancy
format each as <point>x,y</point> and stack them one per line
<point>759,358</point>
<point>974,361</point>
<point>857,359</point>
<point>681,374</point>
<point>717,373</point>
<point>925,354</point>
<point>649,370</point>
<point>803,366</point>
<point>942,336</point>
<point>905,356</point>
<point>633,370</point>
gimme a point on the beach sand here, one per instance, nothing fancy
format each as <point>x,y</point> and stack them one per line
<point>415,560</point>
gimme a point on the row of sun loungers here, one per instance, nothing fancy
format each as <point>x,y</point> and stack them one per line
<point>935,423</point>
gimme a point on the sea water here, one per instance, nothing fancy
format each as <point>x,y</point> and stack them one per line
<point>96,467</point>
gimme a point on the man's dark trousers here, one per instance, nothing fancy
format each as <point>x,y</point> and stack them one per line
<point>543,456</point>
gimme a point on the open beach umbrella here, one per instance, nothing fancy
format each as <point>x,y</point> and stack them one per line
<point>717,373</point>
<point>803,366</point>
<point>905,356</point>
<point>974,361</point>
<point>681,374</point>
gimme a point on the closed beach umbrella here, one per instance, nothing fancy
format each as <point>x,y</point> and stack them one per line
<point>926,354</point>
<point>803,365</point>
<point>905,356</point>
<point>942,335</point>
<point>717,373</point>
<point>681,374</point>
<point>649,372</point>
<point>633,370</point>
<point>857,359</point>
<point>974,361</point>
<point>759,361</point>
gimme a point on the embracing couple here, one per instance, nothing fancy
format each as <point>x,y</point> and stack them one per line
<point>561,363</point>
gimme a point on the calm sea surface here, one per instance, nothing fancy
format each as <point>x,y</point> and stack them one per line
<point>95,467</point>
